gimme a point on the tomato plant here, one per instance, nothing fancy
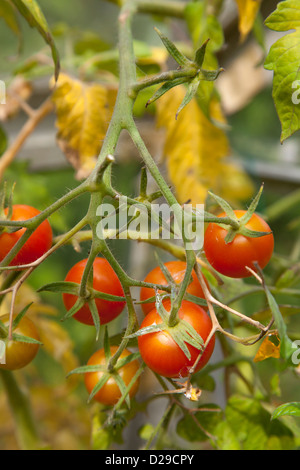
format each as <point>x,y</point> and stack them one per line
<point>38,243</point>
<point>18,353</point>
<point>104,280</point>
<point>232,258</point>
<point>163,355</point>
<point>110,392</point>
<point>176,270</point>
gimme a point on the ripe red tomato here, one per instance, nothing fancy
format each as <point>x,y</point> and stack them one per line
<point>38,243</point>
<point>163,355</point>
<point>232,258</point>
<point>177,270</point>
<point>110,393</point>
<point>104,280</point>
<point>17,353</point>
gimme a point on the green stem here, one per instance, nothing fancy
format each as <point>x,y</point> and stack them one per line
<point>171,75</point>
<point>26,431</point>
<point>163,422</point>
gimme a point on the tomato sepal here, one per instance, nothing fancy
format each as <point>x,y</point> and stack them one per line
<point>94,312</point>
<point>182,333</point>
<point>60,286</point>
<point>76,307</point>
<point>237,226</point>
<point>25,339</point>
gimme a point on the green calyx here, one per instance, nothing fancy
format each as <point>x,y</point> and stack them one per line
<point>5,333</point>
<point>181,332</point>
<point>190,72</point>
<point>232,223</point>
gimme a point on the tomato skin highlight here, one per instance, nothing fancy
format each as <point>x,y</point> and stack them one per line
<point>105,280</point>
<point>177,270</point>
<point>232,258</point>
<point>162,354</point>
<point>18,354</point>
<point>110,393</point>
<point>37,244</point>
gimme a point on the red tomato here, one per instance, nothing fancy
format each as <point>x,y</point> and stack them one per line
<point>177,270</point>
<point>110,393</point>
<point>163,355</point>
<point>232,258</point>
<point>105,280</point>
<point>38,243</point>
<point>17,353</point>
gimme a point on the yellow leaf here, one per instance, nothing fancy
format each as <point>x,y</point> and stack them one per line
<point>248,10</point>
<point>83,112</point>
<point>196,152</point>
<point>268,349</point>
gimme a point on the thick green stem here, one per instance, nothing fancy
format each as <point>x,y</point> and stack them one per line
<point>26,432</point>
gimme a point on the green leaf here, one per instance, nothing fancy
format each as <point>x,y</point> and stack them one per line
<point>286,345</point>
<point>32,12</point>
<point>253,427</point>
<point>203,423</point>
<point>287,409</point>
<point>284,60</point>
<point>102,436</point>
<point>203,26</point>
<point>289,277</point>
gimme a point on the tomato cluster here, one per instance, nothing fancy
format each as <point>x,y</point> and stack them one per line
<point>158,348</point>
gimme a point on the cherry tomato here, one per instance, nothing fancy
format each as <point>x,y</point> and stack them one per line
<point>177,271</point>
<point>17,353</point>
<point>232,258</point>
<point>110,393</point>
<point>37,244</point>
<point>163,355</point>
<point>104,280</point>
